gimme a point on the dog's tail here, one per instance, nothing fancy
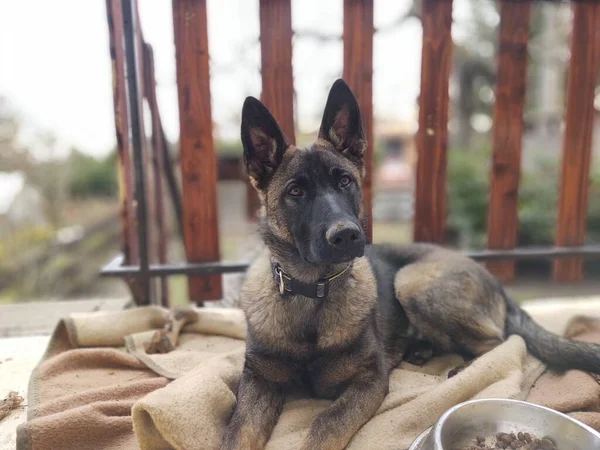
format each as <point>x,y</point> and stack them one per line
<point>556,351</point>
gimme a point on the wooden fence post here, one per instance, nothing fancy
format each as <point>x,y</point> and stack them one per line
<point>198,162</point>
<point>276,62</point>
<point>358,73</point>
<point>507,133</point>
<point>158,167</point>
<point>574,182</point>
<point>277,76</point>
<point>432,137</point>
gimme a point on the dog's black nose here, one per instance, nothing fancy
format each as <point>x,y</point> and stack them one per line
<point>345,236</point>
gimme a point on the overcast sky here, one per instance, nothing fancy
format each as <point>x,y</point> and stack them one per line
<point>55,66</point>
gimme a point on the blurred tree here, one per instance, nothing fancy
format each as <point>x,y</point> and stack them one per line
<point>50,177</point>
<point>47,176</point>
<point>475,66</point>
<point>56,179</point>
<point>91,177</point>
<point>12,156</point>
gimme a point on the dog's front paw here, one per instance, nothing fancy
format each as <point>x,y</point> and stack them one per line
<point>419,353</point>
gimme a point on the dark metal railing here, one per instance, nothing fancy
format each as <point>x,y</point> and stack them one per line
<point>135,113</point>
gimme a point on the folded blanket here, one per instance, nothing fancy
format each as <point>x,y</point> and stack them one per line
<point>152,379</point>
<point>81,398</point>
<point>82,391</point>
<point>417,397</point>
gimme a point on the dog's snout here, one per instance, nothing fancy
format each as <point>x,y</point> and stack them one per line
<point>345,236</point>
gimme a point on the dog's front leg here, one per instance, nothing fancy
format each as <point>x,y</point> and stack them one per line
<point>257,409</point>
<point>333,428</point>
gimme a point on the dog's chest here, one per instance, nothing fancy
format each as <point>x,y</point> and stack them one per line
<point>300,326</point>
<point>328,375</point>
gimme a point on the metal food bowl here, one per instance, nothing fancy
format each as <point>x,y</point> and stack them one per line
<point>457,427</point>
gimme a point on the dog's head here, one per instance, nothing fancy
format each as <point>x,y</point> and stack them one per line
<point>312,196</point>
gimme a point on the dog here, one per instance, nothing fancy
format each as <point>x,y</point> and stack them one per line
<point>332,316</point>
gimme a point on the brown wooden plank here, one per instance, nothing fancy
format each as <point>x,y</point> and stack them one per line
<point>358,73</point>
<point>198,163</point>
<point>276,62</point>
<point>125,172</point>
<point>277,77</point>
<point>158,163</point>
<point>508,132</point>
<point>432,137</point>
<point>573,194</point>
<point>172,182</point>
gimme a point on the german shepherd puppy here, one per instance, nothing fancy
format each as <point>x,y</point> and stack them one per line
<point>332,315</point>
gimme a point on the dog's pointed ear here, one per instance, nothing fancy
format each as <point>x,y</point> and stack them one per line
<point>341,125</point>
<point>263,141</point>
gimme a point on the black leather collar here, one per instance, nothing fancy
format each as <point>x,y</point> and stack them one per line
<point>290,286</point>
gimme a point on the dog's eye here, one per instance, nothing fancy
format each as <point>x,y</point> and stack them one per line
<point>345,181</point>
<point>295,191</point>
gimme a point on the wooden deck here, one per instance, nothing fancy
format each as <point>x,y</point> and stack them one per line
<point>39,318</point>
<point>18,357</point>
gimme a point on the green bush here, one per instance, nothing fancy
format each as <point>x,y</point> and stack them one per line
<point>228,147</point>
<point>538,196</point>
<point>91,177</point>
<point>468,200</point>
<point>593,217</point>
<point>468,176</point>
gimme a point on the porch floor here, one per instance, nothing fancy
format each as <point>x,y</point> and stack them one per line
<point>31,323</point>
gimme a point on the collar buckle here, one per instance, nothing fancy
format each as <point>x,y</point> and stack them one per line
<point>321,290</point>
<point>279,273</point>
<point>280,279</point>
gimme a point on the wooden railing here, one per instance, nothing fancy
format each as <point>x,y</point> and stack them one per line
<point>197,156</point>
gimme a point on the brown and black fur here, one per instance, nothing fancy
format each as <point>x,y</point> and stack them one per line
<point>389,302</point>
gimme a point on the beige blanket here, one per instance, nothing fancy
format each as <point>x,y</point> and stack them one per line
<point>573,392</point>
<point>106,383</point>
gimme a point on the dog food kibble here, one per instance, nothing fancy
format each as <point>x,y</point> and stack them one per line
<point>547,444</point>
<point>511,441</point>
